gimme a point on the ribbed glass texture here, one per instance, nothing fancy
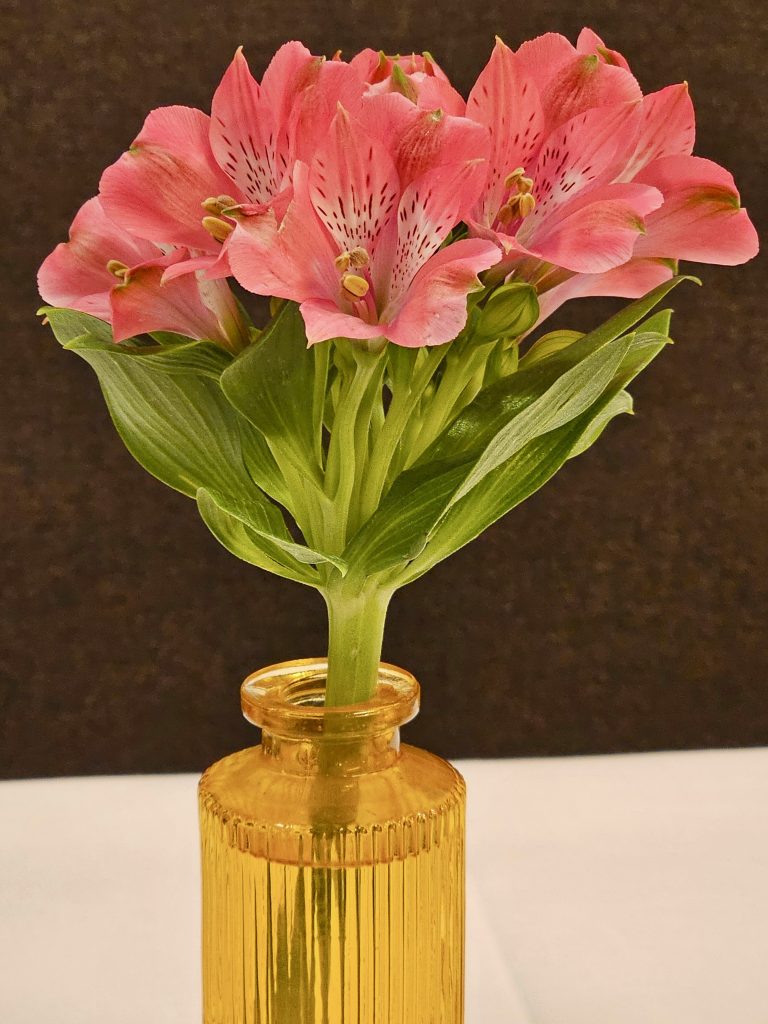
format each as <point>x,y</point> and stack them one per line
<point>333,864</point>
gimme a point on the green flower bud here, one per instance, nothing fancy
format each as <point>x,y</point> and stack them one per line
<point>509,311</point>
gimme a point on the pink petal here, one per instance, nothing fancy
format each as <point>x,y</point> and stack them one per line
<point>156,188</point>
<point>506,100</point>
<point>570,82</point>
<point>435,91</point>
<point>78,268</point>
<point>580,155</point>
<point>540,58</point>
<point>324,320</point>
<point>329,84</point>
<point>589,42</point>
<point>434,309</point>
<point>667,128</point>
<point>189,266</point>
<point>294,262</point>
<point>419,139</point>
<point>597,230</point>
<point>144,303</point>
<point>629,281</point>
<point>366,63</point>
<point>701,218</point>
<point>285,76</point>
<point>243,131</point>
<point>353,185</point>
<point>427,212</point>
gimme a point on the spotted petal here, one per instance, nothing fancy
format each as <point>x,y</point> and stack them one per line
<point>433,311</point>
<point>597,230</point>
<point>506,100</point>
<point>353,185</point>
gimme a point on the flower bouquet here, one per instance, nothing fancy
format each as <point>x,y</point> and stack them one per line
<point>400,397</point>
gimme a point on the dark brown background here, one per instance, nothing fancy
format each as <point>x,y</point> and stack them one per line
<point>622,608</point>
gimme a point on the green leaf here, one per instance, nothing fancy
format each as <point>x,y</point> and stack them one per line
<point>619,404</point>
<point>250,546</point>
<point>68,324</point>
<point>515,480</point>
<point>265,519</point>
<point>503,422</point>
<point>178,425</point>
<point>500,491</point>
<point>569,396</point>
<point>271,383</point>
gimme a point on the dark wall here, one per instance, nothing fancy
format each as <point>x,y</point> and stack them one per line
<point>622,608</point>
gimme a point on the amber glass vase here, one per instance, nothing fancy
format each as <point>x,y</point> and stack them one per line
<point>333,863</point>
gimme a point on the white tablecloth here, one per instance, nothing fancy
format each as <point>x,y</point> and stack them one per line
<point>602,890</point>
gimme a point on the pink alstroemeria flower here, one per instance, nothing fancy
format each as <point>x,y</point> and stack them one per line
<point>602,202</point>
<point>701,218</point>
<point>104,271</point>
<point>418,77</point>
<point>360,244</point>
<point>186,169</point>
<point>551,196</point>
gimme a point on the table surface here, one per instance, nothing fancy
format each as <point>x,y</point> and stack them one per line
<point>629,889</point>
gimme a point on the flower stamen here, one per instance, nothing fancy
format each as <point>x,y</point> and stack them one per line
<point>357,258</point>
<point>119,269</point>
<point>521,201</point>
<point>218,228</point>
<point>355,286</point>
<point>216,205</point>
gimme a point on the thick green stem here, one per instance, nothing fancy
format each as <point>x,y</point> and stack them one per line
<point>356,618</point>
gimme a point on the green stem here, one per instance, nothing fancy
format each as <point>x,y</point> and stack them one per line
<point>356,616</point>
<point>459,371</point>
<point>403,405</point>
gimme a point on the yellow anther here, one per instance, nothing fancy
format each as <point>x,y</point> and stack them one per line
<point>117,268</point>
<point>359,257</point>
<point>355,285</point>
<point>217,204</point>
<point>217,227</point>
<point>513,177</point>
<point>526,204</point>
<point>525,185</point>
<point>509,211</point>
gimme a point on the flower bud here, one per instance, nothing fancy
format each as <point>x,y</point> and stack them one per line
<point>509,311</point>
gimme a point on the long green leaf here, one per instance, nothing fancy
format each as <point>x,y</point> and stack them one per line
<point>517,479</point>
<point>266,520</point>
<point>570,395</point>
<point>271,383</point>
<point>250,546</point>
<point>411,515</point>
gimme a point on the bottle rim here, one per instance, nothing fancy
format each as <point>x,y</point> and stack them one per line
<point>287,699</point>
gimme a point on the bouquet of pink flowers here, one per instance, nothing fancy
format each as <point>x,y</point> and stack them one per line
<point>401,397</point>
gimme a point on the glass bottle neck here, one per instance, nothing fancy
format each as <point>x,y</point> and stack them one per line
<point>327,754</point>
<point>301,735</point>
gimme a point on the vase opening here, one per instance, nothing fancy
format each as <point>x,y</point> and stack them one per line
<point>302,734</point>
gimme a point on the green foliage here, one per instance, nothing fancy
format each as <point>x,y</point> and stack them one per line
<point>353,471</point>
